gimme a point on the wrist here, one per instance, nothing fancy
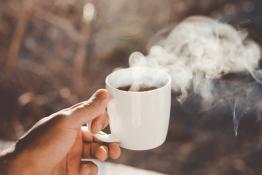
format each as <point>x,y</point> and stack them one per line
<point>13,163</point>
<point>4,164</point>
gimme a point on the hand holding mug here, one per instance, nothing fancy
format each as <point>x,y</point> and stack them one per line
<point>56,144</point>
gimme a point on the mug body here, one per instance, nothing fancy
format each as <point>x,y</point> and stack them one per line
<point>139,119</point>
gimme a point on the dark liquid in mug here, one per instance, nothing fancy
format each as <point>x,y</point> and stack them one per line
<point>140,89</point>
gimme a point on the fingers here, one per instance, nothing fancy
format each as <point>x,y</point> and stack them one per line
<point>95,150</point>
<point>99,123</point>
<point>101,152</point>
<point>88,110</point>
<point>87,136</point>
<point>88,168</point>
<point>114,150</point>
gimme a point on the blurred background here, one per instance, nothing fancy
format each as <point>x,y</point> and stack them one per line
<point>55,53</point>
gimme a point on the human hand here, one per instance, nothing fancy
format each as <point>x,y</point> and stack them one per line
<point>56,144</point>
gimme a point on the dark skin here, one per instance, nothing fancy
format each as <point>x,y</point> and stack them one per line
<point>56,144</point>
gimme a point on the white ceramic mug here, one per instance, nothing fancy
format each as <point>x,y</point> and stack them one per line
<point>138,120</point>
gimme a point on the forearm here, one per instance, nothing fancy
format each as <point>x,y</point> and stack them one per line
<point>5,161</point>
<point>12,163</point>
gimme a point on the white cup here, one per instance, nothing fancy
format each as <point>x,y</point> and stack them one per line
<point>138,120</point>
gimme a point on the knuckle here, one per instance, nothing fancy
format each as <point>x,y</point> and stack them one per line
<point>59,119</point>
<point>114,151</point>
<point>86,151</point>
<point>93,104</point>
<point>93,167</point>
<point>85,105</point>
<point>93,101</point>
<point>76,111</point>
<point>90,103</point>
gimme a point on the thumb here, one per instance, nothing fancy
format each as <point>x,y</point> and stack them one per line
<point>90,109</point>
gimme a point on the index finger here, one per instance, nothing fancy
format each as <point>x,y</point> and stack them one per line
<point>100,123</point>
<point>89,110</point>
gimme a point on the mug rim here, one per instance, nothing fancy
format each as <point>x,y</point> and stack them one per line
<point>168,82</point>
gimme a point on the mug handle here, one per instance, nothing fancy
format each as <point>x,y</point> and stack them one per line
<point>104,137</point>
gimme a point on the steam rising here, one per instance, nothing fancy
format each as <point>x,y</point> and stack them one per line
<point>198,54</point>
